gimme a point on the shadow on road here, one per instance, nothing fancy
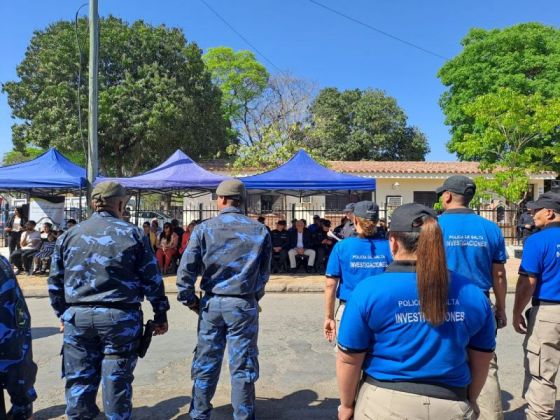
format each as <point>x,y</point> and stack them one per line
<point>302,404</point>
<point>53,412</point>
<point>163,410</point>
<point>42,332</point>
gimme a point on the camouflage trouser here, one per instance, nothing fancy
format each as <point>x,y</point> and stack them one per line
<point>100,345</point>
<point>18,380</point>
<point>235,320</point>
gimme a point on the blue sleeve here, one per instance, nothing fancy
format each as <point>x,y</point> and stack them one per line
<point>531,261</point>
<point>355,335</point>
<point>56,279</point>
<point>151,280</point>
<point>333,265</point>
<point>500,254</point>
<point>191,263</point>
<point>483,339</point>
<point>265,259</point>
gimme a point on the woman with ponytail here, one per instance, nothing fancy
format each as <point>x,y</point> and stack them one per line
<point>421,335</point>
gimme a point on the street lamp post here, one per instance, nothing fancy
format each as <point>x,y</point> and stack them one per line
<point>93,164</point>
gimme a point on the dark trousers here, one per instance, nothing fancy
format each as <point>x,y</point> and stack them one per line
<point>23,258</point>
<point>235,321</point>
<point>323,254</point>
<point>13,241</point>
<point>100,345</point>
<point>280,261</point>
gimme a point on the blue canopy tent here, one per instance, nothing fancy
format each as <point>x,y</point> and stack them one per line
<point>302,176</point>
<point>49,171</point>
<point>178,173</point>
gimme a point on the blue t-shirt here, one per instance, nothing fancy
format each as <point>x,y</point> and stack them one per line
<point>541,258</point>
<point>383,318</point>
<point>354,259</point>
<point>472,244</point>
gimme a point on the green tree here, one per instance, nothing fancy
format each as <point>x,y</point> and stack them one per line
<point>30,153</point>
<point>523,58</point>
<point>241,79</point>
<point>155,95</point>
<point>513,135</point>
<point>363,124</point>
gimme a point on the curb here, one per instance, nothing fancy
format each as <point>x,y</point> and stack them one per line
<point>277,284</point>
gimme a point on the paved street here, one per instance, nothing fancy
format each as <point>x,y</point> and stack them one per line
<point>297,364</point>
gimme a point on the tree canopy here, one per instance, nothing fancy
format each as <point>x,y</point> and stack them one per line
<point>242,79</point>
<point>155,95</point>
<point>363,124</point>
<point>524,58</point>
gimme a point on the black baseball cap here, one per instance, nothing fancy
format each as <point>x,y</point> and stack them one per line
<point>366,210</point>
<point>548,200</point>
<point>458,184</point>
<point>402,219</point>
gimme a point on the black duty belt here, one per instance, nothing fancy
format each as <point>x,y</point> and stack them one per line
<point>441,391</point>
<point>112,305</point>
<point>247,296</point>
<point>539,302</point>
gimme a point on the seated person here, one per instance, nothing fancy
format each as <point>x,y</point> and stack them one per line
<point>30,243</point>
<point>187,237</point>
<point>46,230</point>
<point>166,247</point>
<point>315,227</point>
<point>42,259</point>
<point>324,245</point>
<point>70,223</point>
<point>178,229</point>
<point>301,243</point>
<point>280,245</point>
<point>150,234</point>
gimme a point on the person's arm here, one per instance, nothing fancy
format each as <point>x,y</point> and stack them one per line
<point>479,363</point>
<point>499,286</point>
<point>329,326</point>
<point>152,284</point>
<point>348,374</point>
<point>523,292</point>
<point>191,261</point>
<point>174,241</point>
<point>23,240</point>
<point>56,280</point>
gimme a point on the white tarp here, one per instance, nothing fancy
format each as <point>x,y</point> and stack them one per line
<point>47,209</point>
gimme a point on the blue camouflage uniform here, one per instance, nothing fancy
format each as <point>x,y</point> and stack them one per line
<point>232,253</point>
<point>17,370</point>
<point>101,270</point>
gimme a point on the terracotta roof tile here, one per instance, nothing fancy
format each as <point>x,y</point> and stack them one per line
<point>375,167</point>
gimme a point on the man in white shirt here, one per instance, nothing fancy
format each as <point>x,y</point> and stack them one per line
<point>301,243</point>
<point>30,243</point>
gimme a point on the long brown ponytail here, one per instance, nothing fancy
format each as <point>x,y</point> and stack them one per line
<point>431,272</point>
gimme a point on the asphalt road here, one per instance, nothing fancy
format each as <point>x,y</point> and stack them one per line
<point>297,365</point>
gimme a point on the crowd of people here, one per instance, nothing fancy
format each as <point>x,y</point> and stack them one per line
<point>30,250</point>
<point>415,327</point>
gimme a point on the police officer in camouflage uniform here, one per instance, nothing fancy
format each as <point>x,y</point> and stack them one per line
<point>101,271</point>
<point>232,254</point>
<point>17,370</point>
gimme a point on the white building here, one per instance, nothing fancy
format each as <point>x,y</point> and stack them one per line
<point>397,183</point>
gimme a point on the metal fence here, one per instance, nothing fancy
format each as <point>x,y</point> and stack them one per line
<point>506,219</point>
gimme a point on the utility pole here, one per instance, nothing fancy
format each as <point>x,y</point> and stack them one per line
<point>93,163</point>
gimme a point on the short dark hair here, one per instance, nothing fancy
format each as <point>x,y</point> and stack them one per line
<point>281,222</point>
<point>463,200</point>
<point>174,223</point>
<point>261,219</point>
<point>72,221</point>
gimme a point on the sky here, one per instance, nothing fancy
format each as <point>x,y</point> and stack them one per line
<point>306,40</point>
